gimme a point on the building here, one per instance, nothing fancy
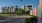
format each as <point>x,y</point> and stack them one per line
<point>27,8</point>
<point>41,8</point>
<point>34,11</point>
<point>4,10</point>
<point>22,7</point>
<point>8,9</point>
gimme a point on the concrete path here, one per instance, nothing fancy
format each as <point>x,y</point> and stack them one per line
<point>15,19</point>
<point>39,20</point>
<point>20,16</point>
<point>18,19</point>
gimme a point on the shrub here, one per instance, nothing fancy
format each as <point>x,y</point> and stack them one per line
<point>31,20</point>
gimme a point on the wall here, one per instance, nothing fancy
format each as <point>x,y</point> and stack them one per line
<point>41,8</point>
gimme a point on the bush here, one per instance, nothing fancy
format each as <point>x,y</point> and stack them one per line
<point>31,20</point>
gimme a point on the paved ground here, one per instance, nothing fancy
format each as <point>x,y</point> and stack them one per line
<point>19,16</point>
<point>14,19</point>
<point>39,20</point>
<point>20,19</point>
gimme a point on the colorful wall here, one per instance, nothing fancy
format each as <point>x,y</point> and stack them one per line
<point>39,12</point>
<point>41,8</point>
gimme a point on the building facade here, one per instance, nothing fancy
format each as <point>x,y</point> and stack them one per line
<point>41,8</point>
<point>22,7</point>
<point>34,11</point>
<point>8,9</point>
<point>27,7</point>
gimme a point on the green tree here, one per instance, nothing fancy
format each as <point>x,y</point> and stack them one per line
<point>20,11</point>
<point>31,20</point>
<point>16,6</point>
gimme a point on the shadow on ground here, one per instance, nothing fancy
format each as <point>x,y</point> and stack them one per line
<point>3,17</point>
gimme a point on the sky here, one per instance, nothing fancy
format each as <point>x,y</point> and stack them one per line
<point>19,3</point>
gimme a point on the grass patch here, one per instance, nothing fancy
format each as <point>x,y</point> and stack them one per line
<point>4,14</point>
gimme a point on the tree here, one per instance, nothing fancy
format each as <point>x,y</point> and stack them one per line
<point>20,11</point>
<point>16,8</point>
<point>33,19</point>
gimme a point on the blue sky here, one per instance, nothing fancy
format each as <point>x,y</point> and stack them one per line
<point>20,3</point>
